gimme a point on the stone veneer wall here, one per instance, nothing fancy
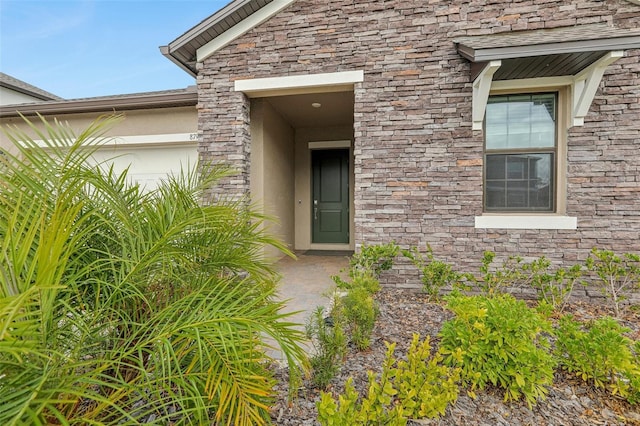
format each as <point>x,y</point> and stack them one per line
<point>418,164</point>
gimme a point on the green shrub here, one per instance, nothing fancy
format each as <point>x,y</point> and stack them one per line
<point>112,297</point>
<point>329,341</point>
<point>599,353</point>
<point>554,288</point>
<point>435,274</point>
<point>618,276</point>
<point>360,308</point>
<point>425,387</point>
<point>360,311</point>
<point>498,340</point>
<point>416,388</point>
<point>498,280</point>
<point>374,259</point>
<point>376,409</point>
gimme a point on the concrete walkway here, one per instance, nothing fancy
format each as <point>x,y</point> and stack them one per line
<point>307,280</point>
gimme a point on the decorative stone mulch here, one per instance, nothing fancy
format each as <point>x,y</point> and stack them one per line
<point>402,313</point>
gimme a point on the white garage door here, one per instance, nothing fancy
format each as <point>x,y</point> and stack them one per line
<point>149,163</point>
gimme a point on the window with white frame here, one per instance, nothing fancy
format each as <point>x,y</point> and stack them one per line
<point>521,153</point>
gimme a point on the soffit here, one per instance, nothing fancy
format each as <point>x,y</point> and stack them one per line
<point>336,109</point>
<point>183,50</point>
<point>545,52</point>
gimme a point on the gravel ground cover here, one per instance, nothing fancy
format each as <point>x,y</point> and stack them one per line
<point>402,313</point>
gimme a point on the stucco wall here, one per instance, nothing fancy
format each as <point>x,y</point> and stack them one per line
<point>10,97</point>
<point>418,164</point>
<point>272,170</point>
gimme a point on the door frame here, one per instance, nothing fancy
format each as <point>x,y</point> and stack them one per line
<point>343,171</point>
<point>304,229</point>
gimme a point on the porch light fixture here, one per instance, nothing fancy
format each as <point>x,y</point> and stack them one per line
<point>316,104</point>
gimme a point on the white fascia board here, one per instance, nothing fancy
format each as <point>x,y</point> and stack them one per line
<point>241,28</point>
<point>586,83</point>
<point>137,140</point>
<point>526,222</point>
<point>257,87</point>
<point>481,89</point>
<point>532,83</point>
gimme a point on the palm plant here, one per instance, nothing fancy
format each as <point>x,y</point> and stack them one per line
<point>121,306</point>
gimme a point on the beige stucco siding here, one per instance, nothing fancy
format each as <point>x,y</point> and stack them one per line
<point>272,171</point>
<point>151,143</point>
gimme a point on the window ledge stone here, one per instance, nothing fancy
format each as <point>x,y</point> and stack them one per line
<point>499,221</point>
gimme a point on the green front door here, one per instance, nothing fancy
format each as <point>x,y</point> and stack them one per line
<point>330,202</point>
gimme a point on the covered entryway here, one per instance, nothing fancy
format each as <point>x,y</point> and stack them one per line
<point>301,168</point>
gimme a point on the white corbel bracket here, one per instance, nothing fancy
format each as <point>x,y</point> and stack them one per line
<point>481,89</point>
<point>585,84</point>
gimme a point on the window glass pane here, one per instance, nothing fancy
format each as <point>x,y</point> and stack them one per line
<point>519,182</point>
<point>521,121</point>
<point>496,166</point>
<point>517,167</point>
<point>495,196</point>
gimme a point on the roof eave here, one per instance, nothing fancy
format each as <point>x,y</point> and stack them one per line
<point>187,98</point>
<point>190,69</point>
<point>511,52</point>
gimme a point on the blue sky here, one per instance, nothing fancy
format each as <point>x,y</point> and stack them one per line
<point>85,48</point>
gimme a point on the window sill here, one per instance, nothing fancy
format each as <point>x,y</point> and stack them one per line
<point>541,221</point>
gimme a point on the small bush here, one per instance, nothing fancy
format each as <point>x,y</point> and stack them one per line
<point>376,409</point>
<point>498,280</point>
<point>329,341</point>
<point>374,259</point>
<point>618,276</point>
<point>425,386</point>
<point>599,353</point>
<point>435,274</point>
<point>416,388</point>
<point>498,340</point>
<point>360,311</point>
<point>554,288</point>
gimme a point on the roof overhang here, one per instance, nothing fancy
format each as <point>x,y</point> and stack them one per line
<point>218,30</point>
<point>149,100</point>
<point>571,56</point>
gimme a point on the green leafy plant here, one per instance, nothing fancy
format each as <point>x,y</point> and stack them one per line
<point>329,340</point>
<point>498,340</point>
<point>435,274</point>
<point>118,305</point>
<point>414,388</point>
<point>618,276</point>
<point>497,280</point>
<point>376,409</point>
<point>373,259</point>
<point>361,311</point>
<point>599,353</point>
<point>425,386</point>
<point>554,287</point>
<point>360,307</point>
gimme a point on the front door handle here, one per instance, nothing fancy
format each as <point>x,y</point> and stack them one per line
<point>315,213</point>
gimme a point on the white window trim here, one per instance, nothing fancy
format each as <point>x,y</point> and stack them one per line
<point>557,220</point>
<point>499,221</point>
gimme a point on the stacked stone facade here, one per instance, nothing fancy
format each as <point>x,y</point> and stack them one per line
<point>418,164</point>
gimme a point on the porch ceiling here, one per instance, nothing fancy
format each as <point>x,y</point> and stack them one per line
<point>336,109</point>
